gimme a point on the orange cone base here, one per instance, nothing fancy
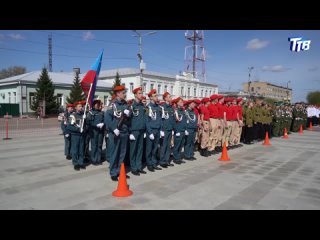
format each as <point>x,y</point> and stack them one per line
<point>224,159</point>
<point>285,137</point>
<point>125,193</point>
<point>266,144</point>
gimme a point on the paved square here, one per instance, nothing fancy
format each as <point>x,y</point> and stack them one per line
<point>35,175</point>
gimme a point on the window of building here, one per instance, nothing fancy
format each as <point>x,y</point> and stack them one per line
<point>188,92</point>
<point>31,98</point>
<point>151,86</point>
<point>9,96</point>
<point>14,97</point>
<point>195,92</point>
<point>171,90</point>
<point>201,93</point>
<point>182,91</point>
<point>159,88</point>
<point>59,98</point>
<point>144,88</point>
<point>165,88</point>
<point>206,93</point>
<point>131,87</point>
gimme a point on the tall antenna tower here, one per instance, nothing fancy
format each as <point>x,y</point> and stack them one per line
<point>50,51</point>
<point>195,54</point>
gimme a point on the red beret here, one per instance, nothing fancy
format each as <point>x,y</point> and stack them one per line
<point>78,103</point>
<point>205,100</point>
<point>186,102</point>
<point>220,96</point>
<point>153,91</point>
<point>83,102</point>
<point>119,88</point>
<point>213,97</point>
<point>178,99</point>
<point>136,90</point>
<point>165,95</point>
<point>239,99</point>
<point>197,101</point>
<point>69,105</point>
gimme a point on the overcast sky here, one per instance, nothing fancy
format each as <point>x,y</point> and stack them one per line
<point>229,54</point>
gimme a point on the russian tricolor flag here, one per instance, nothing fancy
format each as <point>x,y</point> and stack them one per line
<point>89,82</point>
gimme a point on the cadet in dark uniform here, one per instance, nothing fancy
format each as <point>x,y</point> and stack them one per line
<point>153,125</point>
<point>66,133</point>
<point>180,131</point>
<point>95,120</point>
<point>168,123</point>
<point>117,118</point>
<point>137,129</point>
<point>77,137</point>
<point>108,149</point>
<point>191,131</point>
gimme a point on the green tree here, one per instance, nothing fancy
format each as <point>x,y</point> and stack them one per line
<point>76,93</point>
<point>313,97</point>
<point>45,91</point>
<point>117,81</point>
<point>12,71</point>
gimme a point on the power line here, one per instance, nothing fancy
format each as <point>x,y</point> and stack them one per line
<point>62,55</point>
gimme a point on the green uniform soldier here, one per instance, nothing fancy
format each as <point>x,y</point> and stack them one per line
<point>191,131</point>
<point>95,121</point>
<point>168,124</point>
<point>248,116</point>
<point>137,128</point>
<point>66,133</point>
<point>77,120</point>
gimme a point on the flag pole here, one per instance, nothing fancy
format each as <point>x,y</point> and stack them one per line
<point>85,109</point>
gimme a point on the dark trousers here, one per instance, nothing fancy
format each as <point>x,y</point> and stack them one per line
<point>178,144</point>
<point>152,148</point>
<point>261,131</point>
<point>77,149</point>
<point>189,145</point>
<point>136,150</point>
<point>96,137</point>
<point>255,131</point>
<point>248,136</point>
<point>67,146</point>
<point>118,147</point>
<point>267,128</point>
<point>165,147</point>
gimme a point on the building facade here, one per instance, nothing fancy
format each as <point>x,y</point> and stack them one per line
<point>268,90</point>
<point>179,85</point>
<point>21,89</point>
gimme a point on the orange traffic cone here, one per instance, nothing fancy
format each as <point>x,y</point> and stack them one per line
<point>266,140</point>
<point>285,134</point>
<point>224,155</point>
<point>123,189</point>
<point>310,126</point>
<point>300,130</point>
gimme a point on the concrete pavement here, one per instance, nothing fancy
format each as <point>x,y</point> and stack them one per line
<point>34,174</point>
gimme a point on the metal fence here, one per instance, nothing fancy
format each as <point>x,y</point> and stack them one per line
<point>26,127</point>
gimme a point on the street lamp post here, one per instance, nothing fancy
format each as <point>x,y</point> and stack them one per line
<point>288,90</point>
<point>249,82</point>
<point>142,64</point>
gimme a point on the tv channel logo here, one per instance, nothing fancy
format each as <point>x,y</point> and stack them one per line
<point>299,44</point>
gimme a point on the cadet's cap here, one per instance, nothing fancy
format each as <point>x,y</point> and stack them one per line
<point>153,91</point>
<point>178,99</point>
<point>136,90</point>
<point>205,100</point>
<point>165,95</point>
<point>69,105</point>
<point>119,88</point>
<point>197,101</point>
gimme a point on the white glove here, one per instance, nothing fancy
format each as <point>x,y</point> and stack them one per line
<point>162,133</point>
<point>172,133</point>
<point>144,135</point>
<point>132,137</point>
<point>116,132</point>
<point>186,132</point>
<point>67,135</point>
<point>107,135</point>
<point>100,125</point>
<point>126,112</point>
<point>151,136</point>
<point>84,116</point>
<point>178,134</point>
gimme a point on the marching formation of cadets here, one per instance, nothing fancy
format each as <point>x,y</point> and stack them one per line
<point>158,134</point>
